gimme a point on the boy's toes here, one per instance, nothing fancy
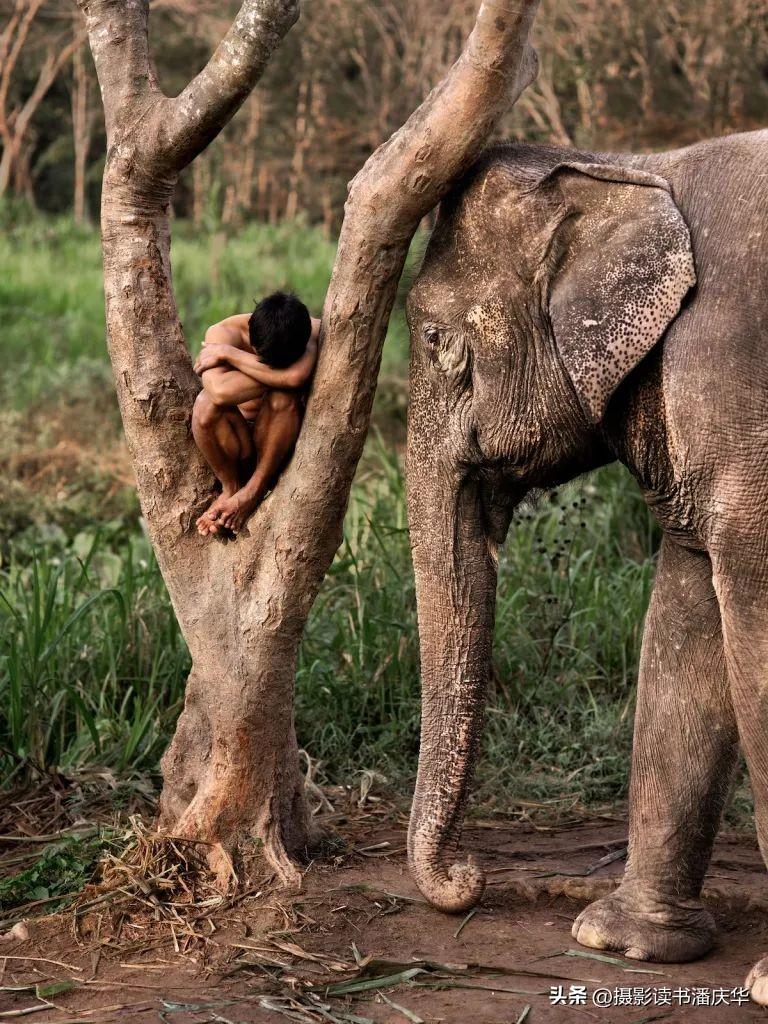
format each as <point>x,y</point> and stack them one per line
<point>206,524</point>
<point>229,518</point>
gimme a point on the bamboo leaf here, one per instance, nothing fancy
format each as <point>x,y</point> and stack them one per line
<point>614,961</point>
<point>55,988</point>
<point>408,1014</point>
<point>345,988</point>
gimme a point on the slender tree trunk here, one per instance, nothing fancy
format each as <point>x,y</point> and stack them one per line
<point>301,140</point>
<point>231,774</point>
<point>22,172</point>
<point>201,185</point>
<point>8,159</point>
<point>81,135</point>
<point>247,165</point>
<point>262,193</point>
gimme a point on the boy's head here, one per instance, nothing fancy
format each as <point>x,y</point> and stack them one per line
<point>279,329</point>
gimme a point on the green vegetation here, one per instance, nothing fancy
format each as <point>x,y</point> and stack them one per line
<point>92,665</point>
<point>62,870</point>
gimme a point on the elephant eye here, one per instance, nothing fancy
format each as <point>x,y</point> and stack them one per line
<point>431,334</point>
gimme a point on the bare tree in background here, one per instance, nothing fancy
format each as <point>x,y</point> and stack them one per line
<point>617,74</point>
<point>231,774</point>
<point>15,119</point>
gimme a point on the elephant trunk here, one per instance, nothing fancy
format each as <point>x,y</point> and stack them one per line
<point>455,571</point>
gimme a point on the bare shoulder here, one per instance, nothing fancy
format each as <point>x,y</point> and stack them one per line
<point>239,322</point>
<point>232,330</point>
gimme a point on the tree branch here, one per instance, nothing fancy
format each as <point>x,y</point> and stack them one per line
<point>214,96</point>
<point>54,61</point>
<point>9,51</point>
<point>119,38</point>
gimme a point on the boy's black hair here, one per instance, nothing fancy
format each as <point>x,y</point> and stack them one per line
<point>279,328</point>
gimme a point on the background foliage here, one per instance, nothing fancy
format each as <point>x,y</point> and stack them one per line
<point>614,73</point>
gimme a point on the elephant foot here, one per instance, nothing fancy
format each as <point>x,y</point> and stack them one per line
<point>644,926</point>
<point>757,982</point>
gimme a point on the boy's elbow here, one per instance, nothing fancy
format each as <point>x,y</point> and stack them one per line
<point>300,376</point>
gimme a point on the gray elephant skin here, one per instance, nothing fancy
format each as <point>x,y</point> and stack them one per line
<point>574,309</point>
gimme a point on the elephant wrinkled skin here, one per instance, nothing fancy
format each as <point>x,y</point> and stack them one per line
<point>574,309</point>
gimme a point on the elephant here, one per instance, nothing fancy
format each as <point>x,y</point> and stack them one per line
<point>574,309</point>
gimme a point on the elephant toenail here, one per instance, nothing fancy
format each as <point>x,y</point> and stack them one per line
<point>634,953</point>
<point>590,936</point>
<point>759,991</point>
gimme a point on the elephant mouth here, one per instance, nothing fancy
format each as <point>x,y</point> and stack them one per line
<point>500,495</point>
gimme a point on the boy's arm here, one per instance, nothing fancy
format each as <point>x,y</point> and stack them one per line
<point>223,354</point>
<point>230,387</point>
<point>225,385</point>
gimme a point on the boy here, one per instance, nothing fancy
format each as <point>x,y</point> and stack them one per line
<point>248,415</point>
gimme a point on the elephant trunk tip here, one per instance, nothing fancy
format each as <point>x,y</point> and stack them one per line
<point>453,889</point>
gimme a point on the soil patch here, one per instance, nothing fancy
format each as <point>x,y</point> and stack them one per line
<point>270,956</point>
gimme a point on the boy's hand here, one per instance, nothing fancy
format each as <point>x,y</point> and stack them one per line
<point>212,356</point>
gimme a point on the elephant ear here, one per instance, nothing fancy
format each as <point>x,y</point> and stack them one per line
<point>625,266</point>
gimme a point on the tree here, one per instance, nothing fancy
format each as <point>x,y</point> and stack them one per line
<point>231,773</point>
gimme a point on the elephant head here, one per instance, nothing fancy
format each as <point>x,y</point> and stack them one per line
<point>547,279</point>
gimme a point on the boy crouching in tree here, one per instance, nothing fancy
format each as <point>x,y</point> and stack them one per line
<point>246,419</point>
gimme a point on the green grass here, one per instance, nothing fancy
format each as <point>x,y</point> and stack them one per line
<point>92,665</point>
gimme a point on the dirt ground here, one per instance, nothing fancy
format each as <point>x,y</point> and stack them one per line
<point>270,956</point>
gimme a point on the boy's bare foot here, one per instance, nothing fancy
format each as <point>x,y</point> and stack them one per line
<point>208,522</point>
<point>235,511</point>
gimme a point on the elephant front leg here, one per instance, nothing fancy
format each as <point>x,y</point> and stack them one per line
<point>684,752</point>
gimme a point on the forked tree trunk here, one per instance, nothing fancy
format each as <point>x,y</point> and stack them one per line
<point>231,773</point>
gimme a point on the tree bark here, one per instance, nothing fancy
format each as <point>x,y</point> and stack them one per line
<point>231,773</point>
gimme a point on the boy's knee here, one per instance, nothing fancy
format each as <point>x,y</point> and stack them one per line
<point>205,412</point>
